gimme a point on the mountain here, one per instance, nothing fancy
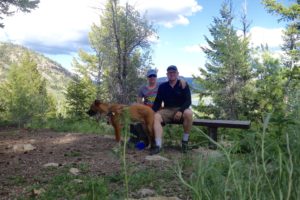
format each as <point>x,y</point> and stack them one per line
<point>56,76</point>
<point>189,80</point>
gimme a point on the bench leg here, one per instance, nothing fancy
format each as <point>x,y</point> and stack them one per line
<point>213,134</point>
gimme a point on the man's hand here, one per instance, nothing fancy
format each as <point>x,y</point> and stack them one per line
<point>182,83</point>
<point>177,116</point>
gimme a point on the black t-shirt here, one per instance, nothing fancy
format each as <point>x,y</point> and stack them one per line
<point>173,97</point>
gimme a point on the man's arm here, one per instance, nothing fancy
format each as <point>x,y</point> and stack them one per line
<point>188,101</point>
<point>182,83</point>
<point>158,99</point>
<point>140,96</point>
<point>140,100</point>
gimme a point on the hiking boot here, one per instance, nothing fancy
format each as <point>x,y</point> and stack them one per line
<point>154,150</point>
<point>184,146</point>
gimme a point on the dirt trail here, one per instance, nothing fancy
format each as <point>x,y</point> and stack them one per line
<point>65,149</point>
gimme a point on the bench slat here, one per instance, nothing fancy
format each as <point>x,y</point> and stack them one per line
<point>220,123</point>
<point>213,126</point>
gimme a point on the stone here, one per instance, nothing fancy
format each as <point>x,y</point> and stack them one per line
<point>78,181</point>
<point>51,165</point>
<point>144,192</point>
<point>37,192</point>
<point>23,147</point>
<point>74,171</point>
<point>156,158</point>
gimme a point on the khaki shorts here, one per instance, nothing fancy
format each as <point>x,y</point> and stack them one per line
<point>168,114</point>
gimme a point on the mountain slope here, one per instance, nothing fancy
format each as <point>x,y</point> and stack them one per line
<point>56,76</point>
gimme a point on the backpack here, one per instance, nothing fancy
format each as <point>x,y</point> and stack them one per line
<point>137,135</point>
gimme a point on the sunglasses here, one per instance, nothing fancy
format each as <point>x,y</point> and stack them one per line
<point>151,76</point>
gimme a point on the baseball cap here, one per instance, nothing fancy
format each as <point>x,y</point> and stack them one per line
<point>172,68</point>
<point>151,72</point>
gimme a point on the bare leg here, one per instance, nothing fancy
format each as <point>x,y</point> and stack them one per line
<point>187,120</point>
<point>158,129</point>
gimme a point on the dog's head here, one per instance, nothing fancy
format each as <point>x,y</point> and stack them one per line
<point>97,107</point>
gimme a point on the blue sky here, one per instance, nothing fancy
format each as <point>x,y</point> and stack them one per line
<point>59,31</point>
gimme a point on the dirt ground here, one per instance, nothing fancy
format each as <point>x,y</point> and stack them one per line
<point>51,147</point>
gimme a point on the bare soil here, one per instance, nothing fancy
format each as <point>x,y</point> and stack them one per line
<point>72,149</point>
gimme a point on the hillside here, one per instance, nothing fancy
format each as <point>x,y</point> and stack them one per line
<point>190,80</point>
<point>56,76</point>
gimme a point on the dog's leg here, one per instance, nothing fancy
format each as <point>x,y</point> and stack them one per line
<point>117,126</point>
<point>150,129</point>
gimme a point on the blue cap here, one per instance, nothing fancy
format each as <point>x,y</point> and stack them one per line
<point>172,68</point>
<point>151,72</point>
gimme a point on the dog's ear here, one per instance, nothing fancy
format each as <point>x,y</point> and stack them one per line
<point>97,102</point>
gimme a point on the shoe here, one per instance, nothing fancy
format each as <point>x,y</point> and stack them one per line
<point>184,146</point>
<point>154,150</point>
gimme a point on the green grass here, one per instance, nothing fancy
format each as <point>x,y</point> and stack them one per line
<point>269,169</point>
<point>86,125</point>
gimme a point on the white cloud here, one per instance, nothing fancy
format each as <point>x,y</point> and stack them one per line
<point>193,48</point>
<point>62,26</point>
<point>56,26</point>
<point>167,12</point>
<point>271,37</point>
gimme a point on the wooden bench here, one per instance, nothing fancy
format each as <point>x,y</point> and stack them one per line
<point>213,126</point>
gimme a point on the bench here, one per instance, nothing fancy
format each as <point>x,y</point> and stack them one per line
<point>213,126</point>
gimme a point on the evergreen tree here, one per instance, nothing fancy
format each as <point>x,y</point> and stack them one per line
<point>89,65</point>
<point>7,6</point>
<point>291,48</point>
<point>26,92</point>
<point>269,93</point>
<point>80,95</point>
<point>227,70</point>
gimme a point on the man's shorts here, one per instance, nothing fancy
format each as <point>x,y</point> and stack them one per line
<point>168,114</point>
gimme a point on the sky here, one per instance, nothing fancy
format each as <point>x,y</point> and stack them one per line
<point>59,28</point>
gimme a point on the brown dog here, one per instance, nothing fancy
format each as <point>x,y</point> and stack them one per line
<point>137,112</point>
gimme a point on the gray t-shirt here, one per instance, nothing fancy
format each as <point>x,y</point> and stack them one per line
<point>149,95</point>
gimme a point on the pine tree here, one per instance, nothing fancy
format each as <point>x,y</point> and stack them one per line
<point>227,70</point>
<point>269,95</point>
<point>26,96</point>
<point>291,48</point>
<point>80,94</point>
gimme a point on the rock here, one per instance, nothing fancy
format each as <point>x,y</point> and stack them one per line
<point>23,147</point>
<point>51,165</point>
<point>37,192</point>
<point>157,198</point>
<point>208,153</point>
<point>32,140</point>
<point>74,171</point>
<point>145,192</point>
<point>156,158</point>
<point>109,136</point>
<point>78,181</point>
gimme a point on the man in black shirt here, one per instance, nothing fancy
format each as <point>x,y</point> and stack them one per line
<point>177,100</point>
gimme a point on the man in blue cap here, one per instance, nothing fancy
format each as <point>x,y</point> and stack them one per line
<point>177,100</point>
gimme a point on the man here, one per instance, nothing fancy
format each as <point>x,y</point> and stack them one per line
<point>146,95</point>
<point>177,100</point>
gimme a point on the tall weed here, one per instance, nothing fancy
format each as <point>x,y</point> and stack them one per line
<point>270,169</point>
